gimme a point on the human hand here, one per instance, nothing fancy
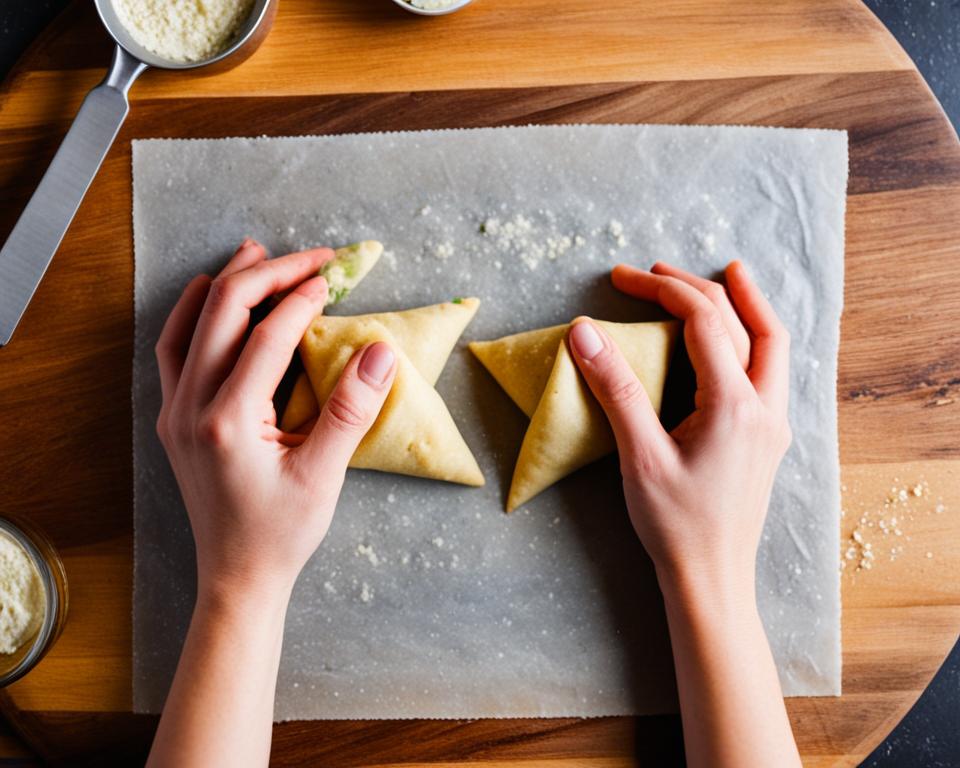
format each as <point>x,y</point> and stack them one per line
<point>698,496</point>
<point>259,500</point>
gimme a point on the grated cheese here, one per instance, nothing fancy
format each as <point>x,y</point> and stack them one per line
<point>22,600</point>
<point>183,30</point>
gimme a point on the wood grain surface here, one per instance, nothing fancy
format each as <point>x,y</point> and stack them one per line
<point>334,66</point>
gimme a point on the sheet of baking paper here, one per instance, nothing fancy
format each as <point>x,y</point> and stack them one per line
<point>425,599</point>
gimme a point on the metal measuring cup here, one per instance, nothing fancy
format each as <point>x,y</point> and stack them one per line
<point>38,232</point>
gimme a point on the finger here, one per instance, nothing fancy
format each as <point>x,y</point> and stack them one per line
<point>174,341</point>
<point>267,353</point>
<point>718,295</point>
<point>770,355</point>
<point>249,253</point>
<point>349,412</point>
<point>708,343</point>
<point>226,316</point>
<point>635,424</point>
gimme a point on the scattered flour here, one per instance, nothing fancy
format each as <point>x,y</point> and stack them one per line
<point>366,593</point>
<point>530,237</point>
<point>522,238</point>
<point>444,251</point>
<point>615,231</point>
<point>884,530</point>
<point>710,242</point>
<point>365,550</point>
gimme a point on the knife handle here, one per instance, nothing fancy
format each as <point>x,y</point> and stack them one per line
<point>36,236</point>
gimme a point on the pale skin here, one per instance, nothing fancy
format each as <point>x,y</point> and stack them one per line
<point>698,496</point>
<point>260,500</point>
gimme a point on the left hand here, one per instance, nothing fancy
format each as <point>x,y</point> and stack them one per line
<point>259,500</point>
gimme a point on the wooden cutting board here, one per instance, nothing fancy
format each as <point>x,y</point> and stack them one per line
<point>360,65</point>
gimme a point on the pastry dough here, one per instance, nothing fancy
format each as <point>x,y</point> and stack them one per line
<point>414,433</point>
<point>521,363</point>
<point>568,428</point>
<point>427,335</point>
<point>301,408</point>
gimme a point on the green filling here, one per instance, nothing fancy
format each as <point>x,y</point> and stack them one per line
<point>348,267</point>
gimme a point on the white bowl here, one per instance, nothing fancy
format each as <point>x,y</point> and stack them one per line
<point>455,5</point>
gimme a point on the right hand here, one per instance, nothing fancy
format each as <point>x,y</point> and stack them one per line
<point>698,496</point>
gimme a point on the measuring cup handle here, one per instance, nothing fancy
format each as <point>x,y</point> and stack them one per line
<point>36,236</point>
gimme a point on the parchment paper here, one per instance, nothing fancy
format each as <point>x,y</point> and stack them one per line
<point>425,599</point>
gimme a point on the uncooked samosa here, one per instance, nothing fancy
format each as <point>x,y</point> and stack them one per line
<point>414,433</point>
<point>344,272</point>
<point>568,428</point>
<point>427,335</point>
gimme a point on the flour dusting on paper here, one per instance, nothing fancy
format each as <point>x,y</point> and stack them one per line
<point>425,600</point>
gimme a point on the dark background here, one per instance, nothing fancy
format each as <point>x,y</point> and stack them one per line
<point>929,30</point>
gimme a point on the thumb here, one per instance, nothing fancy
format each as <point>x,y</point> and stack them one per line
<point>350,410</point>
<point>635,424</point>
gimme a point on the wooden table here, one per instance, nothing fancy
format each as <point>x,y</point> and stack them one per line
<point>359,65</point>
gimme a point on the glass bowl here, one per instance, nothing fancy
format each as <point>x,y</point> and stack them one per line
<point>53,579</point>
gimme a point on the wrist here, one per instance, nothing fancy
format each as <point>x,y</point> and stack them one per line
<point>699,591</point>
<point>226,596</point>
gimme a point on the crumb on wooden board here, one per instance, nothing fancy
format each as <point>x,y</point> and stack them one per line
<point>883,521</point>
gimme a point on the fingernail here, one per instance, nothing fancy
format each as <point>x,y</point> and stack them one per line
<point>585,339</point>
<point>376,363</point>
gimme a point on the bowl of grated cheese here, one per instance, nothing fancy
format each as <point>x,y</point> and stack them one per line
<point>33,598</point>
<point>185,34</point>
<point>432,7</point>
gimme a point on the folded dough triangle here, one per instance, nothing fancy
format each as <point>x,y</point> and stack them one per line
<point>426,334</point>
<point>521,363</point>
<point>568,428</point>
<point>414,433</point>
